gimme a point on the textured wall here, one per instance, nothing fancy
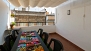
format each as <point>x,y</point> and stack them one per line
<point>3,20</point>
<point>75,27</point>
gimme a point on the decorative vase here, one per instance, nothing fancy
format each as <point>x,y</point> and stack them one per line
<point>11,26</point>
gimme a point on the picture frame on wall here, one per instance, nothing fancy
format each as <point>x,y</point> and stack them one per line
<point>68,12</point>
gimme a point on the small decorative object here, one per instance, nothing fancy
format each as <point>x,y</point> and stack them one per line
<point>12,25</point>
<point>68,12</point>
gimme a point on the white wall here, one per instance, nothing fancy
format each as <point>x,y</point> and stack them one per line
<point>75,27</point>
<point>3,20</point>
<point>49,29</point>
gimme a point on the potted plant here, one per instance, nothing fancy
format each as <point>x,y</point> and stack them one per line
<point>12,25</point>
<point>12,15</point>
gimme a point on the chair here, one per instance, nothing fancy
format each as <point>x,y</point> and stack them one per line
<point>57,45</point>
<point>11,40</point>
<point>13,35</point>
<point>4,47</point>
<point>45,37</point>
<point>7,41</point>
<point>40,31</point>
<point>17,31</point>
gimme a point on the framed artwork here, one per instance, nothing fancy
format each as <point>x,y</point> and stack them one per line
<point>68,12</point>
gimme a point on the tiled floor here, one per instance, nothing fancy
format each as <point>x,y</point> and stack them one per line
<point>68,46</point>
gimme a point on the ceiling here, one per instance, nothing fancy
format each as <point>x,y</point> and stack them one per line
<point>38,3</point>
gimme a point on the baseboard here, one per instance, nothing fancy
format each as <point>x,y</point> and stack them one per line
<point>67,40</point>
<point>53,33</point>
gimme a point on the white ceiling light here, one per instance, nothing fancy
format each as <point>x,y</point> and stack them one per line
<point>24,3</point>
<point>14,2</point>
<point>33,3</point>
<point>42,3</point>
